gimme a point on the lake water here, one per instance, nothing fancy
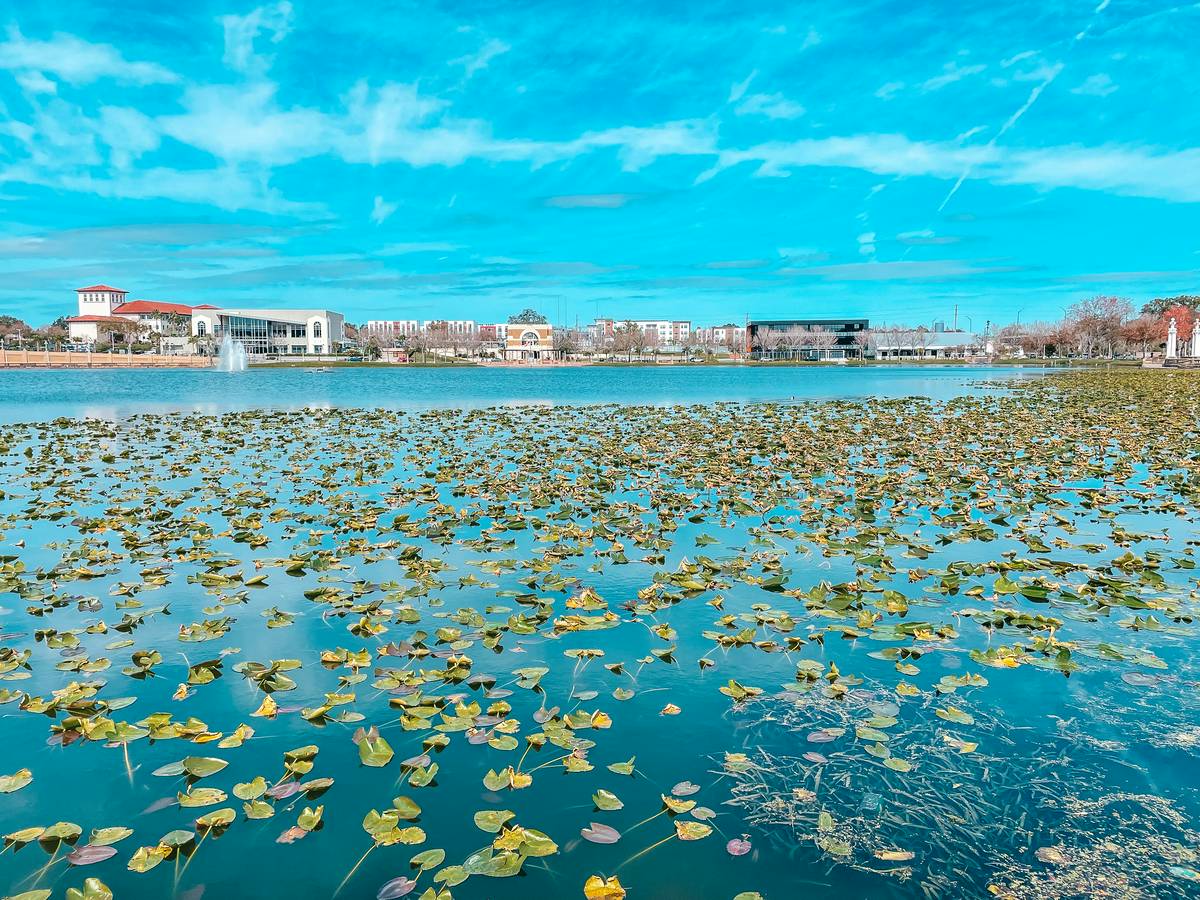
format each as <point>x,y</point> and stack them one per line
<point>967,597</point>
<point>28,395</point>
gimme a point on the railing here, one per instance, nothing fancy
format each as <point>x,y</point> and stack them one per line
<point>28,358</point>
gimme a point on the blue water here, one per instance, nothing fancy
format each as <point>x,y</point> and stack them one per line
<point>35,395</point>
<point>89,783</point>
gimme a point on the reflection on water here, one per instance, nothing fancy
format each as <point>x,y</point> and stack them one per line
<point>801,652</point>
<point>28,395</point>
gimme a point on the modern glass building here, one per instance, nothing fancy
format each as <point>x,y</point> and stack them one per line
<point>807,338</point>
<point>271,332</point>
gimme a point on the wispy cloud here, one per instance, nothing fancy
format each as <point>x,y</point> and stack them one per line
<point>381,210</point>
<point>1132,171</point>
<point>1099,85</point>
<point>418,247</point>
<point>273,21</point>
<point>926,238</point>
<point>590,201</point>
<point>478,61</point>
<point>773,106</point>
<point>900,270</point>
<point>951,72</point>
<point>74,61</point>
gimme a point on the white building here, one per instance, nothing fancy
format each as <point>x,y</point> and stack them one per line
<point>104,309</point>
<point>658,332</point>
<point>263,332</point>
<point>393,329</point>
<point>908,343</point>
<point>727,335</point>
<point>458,327</point>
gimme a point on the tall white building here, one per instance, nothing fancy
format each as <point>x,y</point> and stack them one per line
<point>102,308</point>
<point>99,299</point>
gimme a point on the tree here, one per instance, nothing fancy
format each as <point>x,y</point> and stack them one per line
<point>1142,332</point>
<point>527,316</point>
<point>734,343</point>
<point>1184,316</point>
<point>820,340</point>
<point>1097,323</point>
<point>1160,305</point>
<point>566,342</point>
<point>862,342</point>
<point>11,326</point>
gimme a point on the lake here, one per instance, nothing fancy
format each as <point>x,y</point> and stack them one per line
<point>688,633</point>
<point>30,394</point>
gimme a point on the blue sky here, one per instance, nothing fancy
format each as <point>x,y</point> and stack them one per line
<point>698,160</point>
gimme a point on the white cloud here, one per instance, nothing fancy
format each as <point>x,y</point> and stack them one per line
<point>866,243</point>
<point>418,247</point>
<point>128,133</point>
<point>951,72</point>
<point>900,270</point>
<point>382,210</point>
<point>74,61</point>
<point>811,39</point>
<point>773,106</point>
<point>475,62</point>
<point>590,201</point>
<point>1095,86</point>
<point>242,123</point>
<point>738,89</point>
<point>1130,171</point>
<point>1013,60</point>
<point>242,31</point>
<point>225,188</point>
<point>889,90</point>
<point>35,83</point>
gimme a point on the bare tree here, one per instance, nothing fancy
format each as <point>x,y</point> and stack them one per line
<point>1097,323</point>
<point>862,342</point>
<point>566,342</point>
<point>820,340</point>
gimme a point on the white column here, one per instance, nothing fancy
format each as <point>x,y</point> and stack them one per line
<point>1172,340</point>
<point>1196,339</point>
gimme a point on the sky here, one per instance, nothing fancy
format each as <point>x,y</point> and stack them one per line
<point>708,161</point>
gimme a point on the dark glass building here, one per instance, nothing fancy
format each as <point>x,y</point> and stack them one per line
<point>806,338</point>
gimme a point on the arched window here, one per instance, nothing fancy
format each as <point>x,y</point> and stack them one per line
<point>529,339</point>
<point>316,329</point>
<point>201,328</point>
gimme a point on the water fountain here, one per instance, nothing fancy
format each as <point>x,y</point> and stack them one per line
<point>232,356</point>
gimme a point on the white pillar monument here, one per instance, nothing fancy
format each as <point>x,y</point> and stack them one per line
<point>1172,340</point>
<point>1196,339</point>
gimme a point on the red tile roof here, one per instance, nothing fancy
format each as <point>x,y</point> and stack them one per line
<point>152,306</point>
<point>206,306</point>
<point>96,319</point>
<point>101,287</point>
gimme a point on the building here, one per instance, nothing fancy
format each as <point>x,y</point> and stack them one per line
<point>393,330</point>
<point>730,336</point>
<point>921,343</point>
<point>271,332</point>
<point>528,342</point>
<point>453,327</point>
<point>807,338</point>
<point>658,332</point>
<point>104,309</point>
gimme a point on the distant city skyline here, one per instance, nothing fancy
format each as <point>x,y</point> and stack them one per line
<point>708,163</point>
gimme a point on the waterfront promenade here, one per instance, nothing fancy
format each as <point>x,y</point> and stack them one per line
<point>27,358</point>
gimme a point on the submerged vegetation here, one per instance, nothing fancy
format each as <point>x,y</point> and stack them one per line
<point>884,647</point>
